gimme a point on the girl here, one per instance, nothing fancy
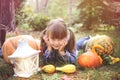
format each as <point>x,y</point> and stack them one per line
<point>58,44</point>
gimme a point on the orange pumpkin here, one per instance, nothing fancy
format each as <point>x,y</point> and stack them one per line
<point>10,45</point>
<point>90,59</point>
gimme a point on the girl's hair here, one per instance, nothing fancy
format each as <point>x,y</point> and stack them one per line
<point>57,29</point>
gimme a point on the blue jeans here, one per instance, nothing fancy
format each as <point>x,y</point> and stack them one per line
<point>81,43</point>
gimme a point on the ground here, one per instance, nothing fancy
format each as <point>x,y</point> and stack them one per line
<point>104,72</point>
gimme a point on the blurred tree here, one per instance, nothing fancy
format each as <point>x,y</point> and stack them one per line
<point>37,6</point>
<point>24,17</point>
<point>39,22</point>
<point>61,9</point>
<point>43,6</point>
<point>7,18</point>
<point>111,13</point>
<point>18,4</point>
<point>70,12</point>
<point>95,12</point>
<point>90,12</point>
<point>57,8</point>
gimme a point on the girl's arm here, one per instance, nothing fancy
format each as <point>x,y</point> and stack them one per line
<point>67,58</point>
<point>71,57</point>
<point>45,56</point>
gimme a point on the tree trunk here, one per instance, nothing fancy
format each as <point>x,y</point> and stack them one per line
<point>43,6</point>
<point>2,36</point>
<point>70,12</point>
<point>37,6</point>
<point>7,18</point>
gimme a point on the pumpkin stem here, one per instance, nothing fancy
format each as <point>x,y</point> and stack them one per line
<point>95,47</point>
<point>100,59</point>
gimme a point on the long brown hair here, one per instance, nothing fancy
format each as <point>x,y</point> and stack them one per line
<point>57,29</point>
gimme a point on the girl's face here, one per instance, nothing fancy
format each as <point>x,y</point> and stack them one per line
<point>57,33</point>
<point>57,43</point>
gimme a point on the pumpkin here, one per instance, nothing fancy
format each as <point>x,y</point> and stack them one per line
<point>102,40</point>
<point>10,45</point>
<point>49,68</point>
<point>69,68</point>
<point>90,59</point>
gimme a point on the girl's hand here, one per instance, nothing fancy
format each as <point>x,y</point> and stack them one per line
<point>62,48</point>
<point>47,42</point>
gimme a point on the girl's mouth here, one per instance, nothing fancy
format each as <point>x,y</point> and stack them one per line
<point>56,47</point>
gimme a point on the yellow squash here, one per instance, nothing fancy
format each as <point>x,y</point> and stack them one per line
<point>69,68</point>
<point>49,68</point>
<point>114,60</point>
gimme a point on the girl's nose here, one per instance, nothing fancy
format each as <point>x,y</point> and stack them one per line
<point>56,43</point>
